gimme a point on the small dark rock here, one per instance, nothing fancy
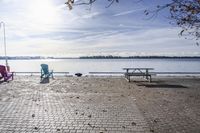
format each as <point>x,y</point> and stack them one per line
<point>155,121</point>
<point>91,125</point>
<point>104,110</point>
<point>133,124</point>
<point>82,113</point>
<point>151,130</point>
<point>58,129</point>
<point>33,115</point>
<point>89,116</point>
<point>36,128</point>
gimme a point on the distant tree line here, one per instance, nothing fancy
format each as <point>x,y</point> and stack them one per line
<point>94,57</point>
<point>21,57</point>
<point>135,57</point>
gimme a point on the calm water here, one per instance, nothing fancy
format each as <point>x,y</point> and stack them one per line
<point>102,65</point>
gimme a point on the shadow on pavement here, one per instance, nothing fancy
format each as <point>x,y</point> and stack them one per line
<point>44,80</point>
<point>162,85</point>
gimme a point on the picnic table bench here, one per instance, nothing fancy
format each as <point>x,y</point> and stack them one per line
<point>138,72</point>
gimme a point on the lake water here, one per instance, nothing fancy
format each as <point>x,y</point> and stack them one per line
<point>105,65</point>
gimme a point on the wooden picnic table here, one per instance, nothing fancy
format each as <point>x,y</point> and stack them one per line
<point>138,72</point>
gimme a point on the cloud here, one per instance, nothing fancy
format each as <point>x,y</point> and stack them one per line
<point>128,12</point>
<point>58,31</point>
<point>90,15</point>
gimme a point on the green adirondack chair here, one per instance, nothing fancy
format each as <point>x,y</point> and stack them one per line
<point>45,73</point>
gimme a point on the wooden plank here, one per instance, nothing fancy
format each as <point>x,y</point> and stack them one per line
<point>138,68</point>
<point>106,72</point>
<point>137,74</point>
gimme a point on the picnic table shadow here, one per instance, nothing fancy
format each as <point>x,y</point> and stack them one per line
<point>160,85</point>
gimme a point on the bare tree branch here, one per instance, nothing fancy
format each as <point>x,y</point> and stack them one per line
<point>184,13</point>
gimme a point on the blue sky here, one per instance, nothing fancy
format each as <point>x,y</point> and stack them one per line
<point>48,28</point>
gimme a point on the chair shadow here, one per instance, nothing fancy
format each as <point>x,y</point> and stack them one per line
<point>1,82</point>
<point>44,80</point>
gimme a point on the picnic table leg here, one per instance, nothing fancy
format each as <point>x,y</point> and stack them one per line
<point>150,78</point>
<point>129,78</point>
<point>147,73</point>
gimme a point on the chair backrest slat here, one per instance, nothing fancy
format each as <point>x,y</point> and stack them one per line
<point>5,74</point>
<point>45,68</point>
<point>3,70</point>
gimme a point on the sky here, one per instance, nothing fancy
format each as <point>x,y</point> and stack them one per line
<point>49,28</point>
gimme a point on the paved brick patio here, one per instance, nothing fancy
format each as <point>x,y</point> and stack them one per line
<point>28,106</point>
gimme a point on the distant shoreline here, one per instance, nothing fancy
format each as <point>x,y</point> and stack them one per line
<point>98,57</point>
<point>141,57</point>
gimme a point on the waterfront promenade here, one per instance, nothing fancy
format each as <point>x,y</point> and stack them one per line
<point>100,105</point>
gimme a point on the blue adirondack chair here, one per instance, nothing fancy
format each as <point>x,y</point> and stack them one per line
<point>45,73</point>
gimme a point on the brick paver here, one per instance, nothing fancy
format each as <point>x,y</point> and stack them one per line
<point>63,106</point>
